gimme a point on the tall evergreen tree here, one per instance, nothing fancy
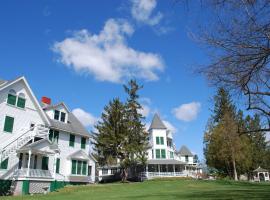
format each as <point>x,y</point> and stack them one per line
<point>120,134</point>
<point>110,137</point>
<point>225,149</point>
<point>136,129</point>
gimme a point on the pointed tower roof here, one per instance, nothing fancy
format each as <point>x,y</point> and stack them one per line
<point>184,151</point>
<point>157,123</point>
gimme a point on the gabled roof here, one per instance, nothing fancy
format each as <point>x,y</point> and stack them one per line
<point>73,125</point>
<point>157,123</point>
<point>184,151</point>
<point>80,154</point>
<point>259,169</point>
<point>22,78</point>
<point>2,82</point>
<point>55,106</point>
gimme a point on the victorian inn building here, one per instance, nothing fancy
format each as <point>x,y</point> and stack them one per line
<point>163,158</point>
<point>42,146</point>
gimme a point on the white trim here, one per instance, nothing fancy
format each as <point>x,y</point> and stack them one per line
<point>22,78</point>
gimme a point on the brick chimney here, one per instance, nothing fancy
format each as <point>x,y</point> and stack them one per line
<point>45,101</point>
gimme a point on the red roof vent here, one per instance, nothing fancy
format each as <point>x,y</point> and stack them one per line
<point>46,100</point>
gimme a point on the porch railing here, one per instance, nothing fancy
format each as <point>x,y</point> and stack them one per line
<point>168,174</point>
<point>33,173</point>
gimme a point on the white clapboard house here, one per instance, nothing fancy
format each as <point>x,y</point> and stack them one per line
<point>163,158</point>
<point>42,146</point>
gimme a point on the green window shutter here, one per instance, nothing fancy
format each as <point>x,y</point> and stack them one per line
<point>163,153</point>
<point>11,99</point>
<point>73,167</point>
<point>161,140</point>
<point>51,135</point>
<point>21,102</point>
<point>84,167</point>
<point>4,164</point>
<point>57,165</point>
<point>45,163</point>
<point>157,153</point>
<point>83,142</point>
<point>71,140</point>
<point>79,167</point>
<point>56,114</point>
<point>8,127</point>
<point>157,140</point>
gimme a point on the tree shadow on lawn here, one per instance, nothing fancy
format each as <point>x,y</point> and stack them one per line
<point>217,195</point>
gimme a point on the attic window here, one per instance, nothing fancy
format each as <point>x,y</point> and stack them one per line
<point>63,117</point>
<point>56,114</point>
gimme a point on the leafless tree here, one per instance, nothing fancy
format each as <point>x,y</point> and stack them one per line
<point>239,40</point>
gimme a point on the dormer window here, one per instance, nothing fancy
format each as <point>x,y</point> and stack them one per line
<point>56,114</point>
<point>63,117</point>
<point>60,116</point>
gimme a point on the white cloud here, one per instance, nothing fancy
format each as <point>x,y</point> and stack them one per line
<point>187,112</point>
<point>107,55</point>
<point>87,119</point>
<point>142,11</point>
<point>145,103</point>
<point>145,110</point>
<point>170,127</point>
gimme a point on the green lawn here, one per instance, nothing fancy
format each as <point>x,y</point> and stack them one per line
<point>159,189</point>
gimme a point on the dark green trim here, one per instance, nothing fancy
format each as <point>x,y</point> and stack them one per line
<point>4,164</point>
<point>25,187</point>
<point>4,187</point>
<point>21,102</point>
<point>11,99</point>
<point>9,122</point>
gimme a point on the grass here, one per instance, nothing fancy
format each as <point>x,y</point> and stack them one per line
<point>159,189</point>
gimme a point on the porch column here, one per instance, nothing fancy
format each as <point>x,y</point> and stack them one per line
<point>174,169</point>
<point>158,169</point>
<point>54,166</point>
<point>29,161</point>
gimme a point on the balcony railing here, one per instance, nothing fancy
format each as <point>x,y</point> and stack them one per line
<point>33,173</point>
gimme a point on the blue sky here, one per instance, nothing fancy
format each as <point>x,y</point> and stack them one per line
<point>81,52</point>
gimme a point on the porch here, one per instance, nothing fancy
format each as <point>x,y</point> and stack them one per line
<point>169,168</point>
<point>36,162</point>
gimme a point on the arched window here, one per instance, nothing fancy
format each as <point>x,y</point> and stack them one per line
<point>22,95</point>
<point>12,97</point>
<point>21,100</point>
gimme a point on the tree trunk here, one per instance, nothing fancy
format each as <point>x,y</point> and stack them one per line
<point>234,171</point>
<point>124,175</point>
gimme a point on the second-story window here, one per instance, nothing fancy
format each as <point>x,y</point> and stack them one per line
<point>12,97</point>
<point>56,114</point>
<point>63,117</point>
<point>186,158</point>
<point>71,140</point>
<point>83,142</point>
<point>54,136</point>
<point>21,101</point>
<point>160,140</point>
